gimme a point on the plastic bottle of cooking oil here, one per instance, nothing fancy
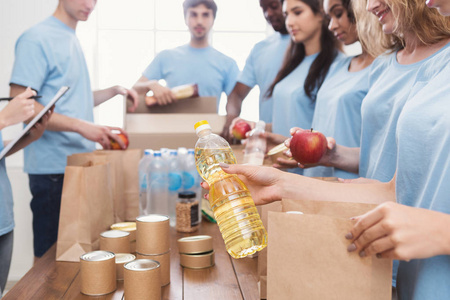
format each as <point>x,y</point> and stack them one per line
<point>231,202</point>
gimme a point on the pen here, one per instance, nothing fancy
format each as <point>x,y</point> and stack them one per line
<point>10,98</point>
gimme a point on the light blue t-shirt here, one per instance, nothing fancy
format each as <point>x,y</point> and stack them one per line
<point>213,71</point>
<point>262,67</point>
<point>49,56</point>
<point>338,111</point>
<point>6,198</point>
<point>390,84</point>
<point>423,172</point>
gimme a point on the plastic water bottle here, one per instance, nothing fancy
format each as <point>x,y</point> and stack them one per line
<point>191,178</point>
<point>256,145</point>
<point>174,186</point>
<point>143,165</point>
<point>233,207</point>
<point>157,186</point>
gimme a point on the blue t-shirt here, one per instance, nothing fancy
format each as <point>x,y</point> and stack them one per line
<point>213,71</point>
<point>390,84</point>
<point>262,67</point>
<point>338,111</point>
<point>6,198</point>
<point>49,56</point>
<point>423,172</point>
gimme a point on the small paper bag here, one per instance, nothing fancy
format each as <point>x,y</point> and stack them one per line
<point>308,257</point>
<point>86,210</point>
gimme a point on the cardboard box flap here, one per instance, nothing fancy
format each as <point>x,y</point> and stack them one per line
<point>204,105</point>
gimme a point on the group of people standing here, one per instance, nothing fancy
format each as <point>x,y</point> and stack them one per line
<point>383,112</point>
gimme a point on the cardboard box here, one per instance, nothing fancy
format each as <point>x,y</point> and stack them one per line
<point>195,105</point>
<point>155,131</point>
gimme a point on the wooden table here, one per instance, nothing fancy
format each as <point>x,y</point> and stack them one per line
<point>228,279</point>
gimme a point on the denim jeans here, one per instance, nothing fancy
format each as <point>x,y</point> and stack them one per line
<point>6,247</point>
<point>45,205</point>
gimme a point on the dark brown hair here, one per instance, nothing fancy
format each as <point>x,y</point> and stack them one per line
<point>210,4</point>
<point>296,53</point>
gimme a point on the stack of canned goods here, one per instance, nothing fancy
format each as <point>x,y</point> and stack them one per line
<point>196,252</point>
<point>153,242</point>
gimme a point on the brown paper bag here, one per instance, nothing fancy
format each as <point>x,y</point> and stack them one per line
<point>262,255</point>
<point>130,166</point>
<point>86,210</point>
<point>308,258</point>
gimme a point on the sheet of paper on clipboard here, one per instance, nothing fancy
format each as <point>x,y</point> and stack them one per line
<point>36,119</point>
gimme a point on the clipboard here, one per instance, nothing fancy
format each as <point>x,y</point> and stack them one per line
<point>27,128</point>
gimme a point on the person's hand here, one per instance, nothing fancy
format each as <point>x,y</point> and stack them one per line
<point>400,232</point>
<point>101,134</point>
<point>360,180</point>
<point>235,120</point>
<point>19,109</point>
<point>226,134</point>
<point>324,161</point>
<point>131,95</point>
<point>262,182</point>
<point>38,129</point>
<point>162,94</point>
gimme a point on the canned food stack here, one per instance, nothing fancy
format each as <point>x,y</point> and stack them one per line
<point>121,260</point>
<point>128,227</point>
<point>98,273</point>
<point>153,243</point>
<point>196,252</point>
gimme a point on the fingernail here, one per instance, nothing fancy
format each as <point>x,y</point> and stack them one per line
<point>224,165</point>
<point>362,254</point>
<point>353,218</point>
<point>349,236</point>
<point>351,248</point>
<point>378,255</point>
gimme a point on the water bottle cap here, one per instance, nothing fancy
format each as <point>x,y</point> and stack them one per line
<point>147,151</point>
<point>191,151</point>
<point>157,153</point>
<point>186,195</point>
<point>201,125</point>
<point>173,152</point>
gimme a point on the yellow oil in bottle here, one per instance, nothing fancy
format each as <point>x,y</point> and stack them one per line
<point>231,202</point>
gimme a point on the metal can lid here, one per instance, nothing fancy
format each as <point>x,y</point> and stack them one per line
<point>114,234</point>
<point>142,265</point>
<point>152,218</point>
<point>124,226</point>
<point>99,255</point>
<point>195,244</point>
<point>122,258</point>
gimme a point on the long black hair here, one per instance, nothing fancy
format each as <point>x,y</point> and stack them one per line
<point>296,53</point>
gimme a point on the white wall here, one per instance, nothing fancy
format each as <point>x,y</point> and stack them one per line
<point>15,17</point>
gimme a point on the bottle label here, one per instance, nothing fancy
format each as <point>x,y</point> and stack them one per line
<point>194,215</point>
<point>188,180</point>
<point>144,182</point>
<point>175,181</point>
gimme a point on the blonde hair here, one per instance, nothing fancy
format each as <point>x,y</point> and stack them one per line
<point>412,16</point>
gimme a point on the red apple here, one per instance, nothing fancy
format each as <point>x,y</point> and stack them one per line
<point>115,145</point>
<point>308,146</point>
<point>240,129</point>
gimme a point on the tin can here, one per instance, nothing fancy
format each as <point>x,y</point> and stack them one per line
<point>164,261</point>
<point>197,261</point>
<point>98,273</point>
<point>152,234</point>
<point>116,241</point>
<point>196,244</point>
<point>128,227</point>
<point>121,260</point>
<point>142,280</point>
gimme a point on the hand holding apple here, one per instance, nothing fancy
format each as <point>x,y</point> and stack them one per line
<point>115,144</point>
<point>308,146</point>
<point>240,129</point>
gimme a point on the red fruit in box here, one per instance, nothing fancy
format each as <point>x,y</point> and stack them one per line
<point>308,146</point>
<point>115,145</point>
<point>240,129</point>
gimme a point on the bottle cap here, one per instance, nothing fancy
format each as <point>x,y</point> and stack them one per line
<point>157,153</point>
<point>201,125</point>
<point>186,195</point>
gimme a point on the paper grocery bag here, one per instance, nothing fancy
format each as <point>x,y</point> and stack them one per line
<point>130,165</point>
<point>308,258</point>
<point>86,210</point>
<point>262,255</point>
